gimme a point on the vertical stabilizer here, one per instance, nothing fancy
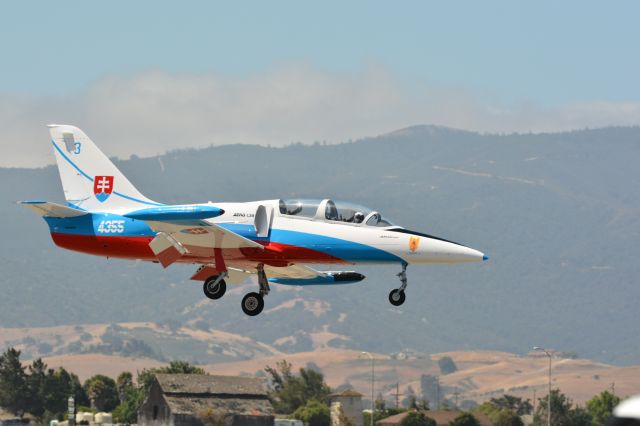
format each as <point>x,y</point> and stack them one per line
<point>89,179</point>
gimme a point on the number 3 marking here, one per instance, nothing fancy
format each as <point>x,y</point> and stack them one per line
<point>78,146</point>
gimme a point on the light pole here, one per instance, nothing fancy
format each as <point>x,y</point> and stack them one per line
<point>71,409</point>
<point>537,348</point>
<point>373,406</point>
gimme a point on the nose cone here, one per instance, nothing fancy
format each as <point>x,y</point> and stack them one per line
<point>449,252</point>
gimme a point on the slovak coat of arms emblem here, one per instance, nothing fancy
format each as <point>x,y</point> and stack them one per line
<point>103,187</point>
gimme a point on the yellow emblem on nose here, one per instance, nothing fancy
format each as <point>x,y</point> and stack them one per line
<point>414,242</point>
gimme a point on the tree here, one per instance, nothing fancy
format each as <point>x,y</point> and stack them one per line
<point>180,367</point>
<point>512,403</point>
<point>102,392</point>
<point>124,383</point>
<point>465,419</point>
<point>410,400</point>
<point>313,413</point>
<point>579,416</point>
<point>416,418</point>
<point>380,403</point>
<point>506,418</point>
<point>447,366</point>
<point>127,411</point>
<point>288,392</point>
<point>37,389</point>
<point>560,407</point>
<point>600,407</point>
<point>563,413</point>
<point>131,398</point>
<point>13,385</point>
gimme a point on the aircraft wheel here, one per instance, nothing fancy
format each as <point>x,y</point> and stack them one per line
<point>396,297</point>
<point>252,304</point>
<point>212,290</point>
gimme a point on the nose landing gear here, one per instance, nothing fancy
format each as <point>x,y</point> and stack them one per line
<point>253,303</point>
<point>397,296</point>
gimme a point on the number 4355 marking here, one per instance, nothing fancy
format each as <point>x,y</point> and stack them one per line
<point>111,227</point>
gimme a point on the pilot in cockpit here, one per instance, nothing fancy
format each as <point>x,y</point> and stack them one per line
<point>358,217</point>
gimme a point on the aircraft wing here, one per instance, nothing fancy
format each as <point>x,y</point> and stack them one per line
<point>297,274</point>
<point>294,274</point>
<point>196,237</point>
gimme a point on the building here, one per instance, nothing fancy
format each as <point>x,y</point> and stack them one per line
<point>441,417</point>
<point>7,419</point>
<point>198,400</point>
<point>350,403</point>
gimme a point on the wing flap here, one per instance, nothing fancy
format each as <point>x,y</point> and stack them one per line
<point>202,234</point>
<point>167,249</point>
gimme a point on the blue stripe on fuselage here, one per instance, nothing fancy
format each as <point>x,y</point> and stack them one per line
<point>342,249</point>
<point>100,224</point>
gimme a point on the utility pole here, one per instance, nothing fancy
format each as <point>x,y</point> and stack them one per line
<point>536,348</point>
<point>455,394</point>
<point>71,409</point>
<point>373,399</point>
<point>437,392</point>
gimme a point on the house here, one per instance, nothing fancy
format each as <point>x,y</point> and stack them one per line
<point>350,403</point>
<point>198,400</point>
<point>441,417</point>
<point>8,419</point>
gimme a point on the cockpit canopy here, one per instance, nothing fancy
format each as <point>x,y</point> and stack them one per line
<point>333,211</point>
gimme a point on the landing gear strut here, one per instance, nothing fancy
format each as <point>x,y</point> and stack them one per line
<point>214,287</point>
<point>253,303</point>
<point>397,297</point>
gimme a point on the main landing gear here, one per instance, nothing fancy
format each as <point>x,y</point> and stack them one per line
<point>253,303</point>
<point>397,297</point>
<point>214,287</point>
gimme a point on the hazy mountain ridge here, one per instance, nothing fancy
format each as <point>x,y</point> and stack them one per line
<point>558,213</point>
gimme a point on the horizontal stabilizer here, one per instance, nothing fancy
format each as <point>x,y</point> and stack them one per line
<point>48,209</point>
<point>184,212</point>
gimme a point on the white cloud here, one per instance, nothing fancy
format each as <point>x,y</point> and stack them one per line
<point>153,112</point>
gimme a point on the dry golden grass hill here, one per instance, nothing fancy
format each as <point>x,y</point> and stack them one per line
<point>91,349</point>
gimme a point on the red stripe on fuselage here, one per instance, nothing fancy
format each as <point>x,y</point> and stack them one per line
<point>129,247</point>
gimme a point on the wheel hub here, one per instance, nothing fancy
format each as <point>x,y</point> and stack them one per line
<point>251,303</point>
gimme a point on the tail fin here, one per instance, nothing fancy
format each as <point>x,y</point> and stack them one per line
<point>89,179</point>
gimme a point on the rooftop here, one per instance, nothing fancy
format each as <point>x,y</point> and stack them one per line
<point>441,417</point>
<point>201,384</point>
<point>347,392</point>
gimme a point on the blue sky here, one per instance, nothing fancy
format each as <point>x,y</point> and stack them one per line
<point>529,61</point>
<point>550,51</point>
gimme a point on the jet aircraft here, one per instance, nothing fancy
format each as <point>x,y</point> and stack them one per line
<point>275,240</point>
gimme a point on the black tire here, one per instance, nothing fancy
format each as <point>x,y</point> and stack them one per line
<point>396,297</point>
<point>252,304</point>
<point>214,291</point>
